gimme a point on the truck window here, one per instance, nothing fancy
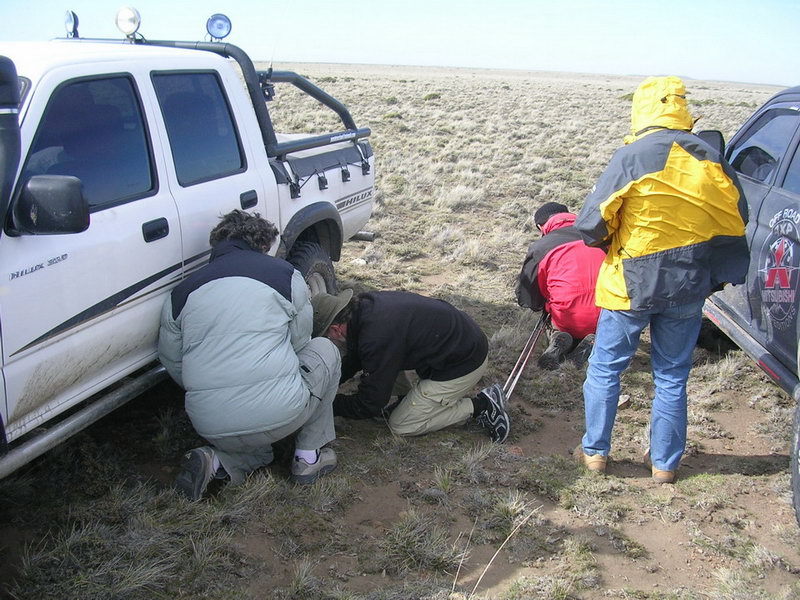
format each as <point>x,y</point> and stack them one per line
<point>758,153</point>
<point>202,132</point>
<point>94,130</point>
<point>792,180</point>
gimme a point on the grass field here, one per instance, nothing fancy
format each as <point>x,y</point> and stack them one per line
<point>463,158</point>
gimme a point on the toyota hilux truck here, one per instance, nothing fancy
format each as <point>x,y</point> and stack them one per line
<point>117,157</point>
<point>761,316</point>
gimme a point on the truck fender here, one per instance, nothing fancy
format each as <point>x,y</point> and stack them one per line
<point>322,222</point>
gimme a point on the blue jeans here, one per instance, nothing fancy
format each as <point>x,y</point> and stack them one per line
<point>673,335</point>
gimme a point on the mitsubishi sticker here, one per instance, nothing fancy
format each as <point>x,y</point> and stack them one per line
<point>778,268</point>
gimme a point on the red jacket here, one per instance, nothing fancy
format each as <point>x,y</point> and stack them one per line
<point>559,275</point>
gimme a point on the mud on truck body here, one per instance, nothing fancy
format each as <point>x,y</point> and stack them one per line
<point>117,158</point>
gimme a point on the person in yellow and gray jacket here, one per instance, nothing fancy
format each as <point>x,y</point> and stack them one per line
<point>671,215</point>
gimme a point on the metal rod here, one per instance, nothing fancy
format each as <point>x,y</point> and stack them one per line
<point>521,356</point>
<point>526,353</point>
<point>284,148</point>
<point>40,444</point>
<point>315,92</point>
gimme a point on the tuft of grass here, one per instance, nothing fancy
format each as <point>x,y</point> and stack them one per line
<point>596,498</point>
<point>470,466</point>
<point>550,476</point>
<point>142,544</point>
<point>506,513</point>
<point>733,584</point>
<point>165,436</point>
<point>460,197</point>
<point>575,571</point>
<point>629,547</point>
<point>709,492</point>
<point>417,543</point>
<point>304,585</point>
<point>443,479</point>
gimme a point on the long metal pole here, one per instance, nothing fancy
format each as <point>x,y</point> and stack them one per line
<point>525,356</point>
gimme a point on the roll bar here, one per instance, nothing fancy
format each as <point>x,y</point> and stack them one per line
<point>258,85</point>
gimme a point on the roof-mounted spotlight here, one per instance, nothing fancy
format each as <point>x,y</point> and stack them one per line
<point>218,26</point>
<point>128,21</point>
<point>71,24</point>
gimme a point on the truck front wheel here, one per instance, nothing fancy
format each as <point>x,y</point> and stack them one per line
<point>316,266</point>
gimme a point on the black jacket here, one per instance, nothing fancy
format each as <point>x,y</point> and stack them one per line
<point>390,332</point>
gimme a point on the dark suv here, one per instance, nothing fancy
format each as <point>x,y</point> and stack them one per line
<point>761,315</point>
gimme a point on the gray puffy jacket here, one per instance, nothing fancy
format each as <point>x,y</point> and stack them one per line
<point>229,336</point>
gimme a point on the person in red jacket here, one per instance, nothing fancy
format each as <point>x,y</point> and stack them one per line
<point>559,276</point>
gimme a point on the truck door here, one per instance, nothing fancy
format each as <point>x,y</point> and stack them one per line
<point>81,310</point>
<point>213,169</point>
<point>767,303</point>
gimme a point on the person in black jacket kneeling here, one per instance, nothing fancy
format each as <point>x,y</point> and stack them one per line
<point>382,334</point>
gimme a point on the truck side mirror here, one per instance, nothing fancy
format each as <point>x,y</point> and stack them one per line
<point>50,205</point>
<point>713,138</point>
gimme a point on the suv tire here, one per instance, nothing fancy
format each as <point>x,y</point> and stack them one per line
<point>316,266</point>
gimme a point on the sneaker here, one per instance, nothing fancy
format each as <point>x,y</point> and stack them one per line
<point>305,473</point>
<point>196,471</point>
<point>495,418</point>
<point>580,355</point>
<point>593,462</point>
<point>560,343</point>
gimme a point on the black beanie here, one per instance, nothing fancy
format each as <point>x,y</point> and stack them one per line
<point>547,210</point>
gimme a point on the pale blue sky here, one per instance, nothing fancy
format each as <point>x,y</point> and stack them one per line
<point>755,41</point>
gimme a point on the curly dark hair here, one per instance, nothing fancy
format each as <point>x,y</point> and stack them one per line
<point>257,232</point>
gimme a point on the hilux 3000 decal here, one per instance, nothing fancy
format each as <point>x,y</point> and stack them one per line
<point>779,262</point>
<point>38,267</point>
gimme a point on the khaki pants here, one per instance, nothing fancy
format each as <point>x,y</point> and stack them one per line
<point>320,368</point>
<point>433,405</point>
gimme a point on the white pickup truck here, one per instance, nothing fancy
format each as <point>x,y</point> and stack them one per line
<point>116,160</point>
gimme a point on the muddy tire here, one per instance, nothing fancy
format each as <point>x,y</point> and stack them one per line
<point>316,266</point>
<point>795,463</point>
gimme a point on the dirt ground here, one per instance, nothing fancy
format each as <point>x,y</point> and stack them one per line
<point>725,530</point>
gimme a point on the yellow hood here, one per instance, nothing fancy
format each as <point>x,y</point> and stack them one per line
<point>659,102</point>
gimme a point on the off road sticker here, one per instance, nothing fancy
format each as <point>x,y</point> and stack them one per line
<point>779,261</point>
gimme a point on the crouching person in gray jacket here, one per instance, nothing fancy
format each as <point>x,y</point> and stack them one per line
<point>236,335</point>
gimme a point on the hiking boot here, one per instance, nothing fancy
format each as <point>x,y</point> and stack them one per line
<point>494,418</point>
<point>196,471</point>
<point>580,355</point>
<point>560,343</point>
<point>659,476</point>
<point>305,473</point>
<point>593,462</point>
